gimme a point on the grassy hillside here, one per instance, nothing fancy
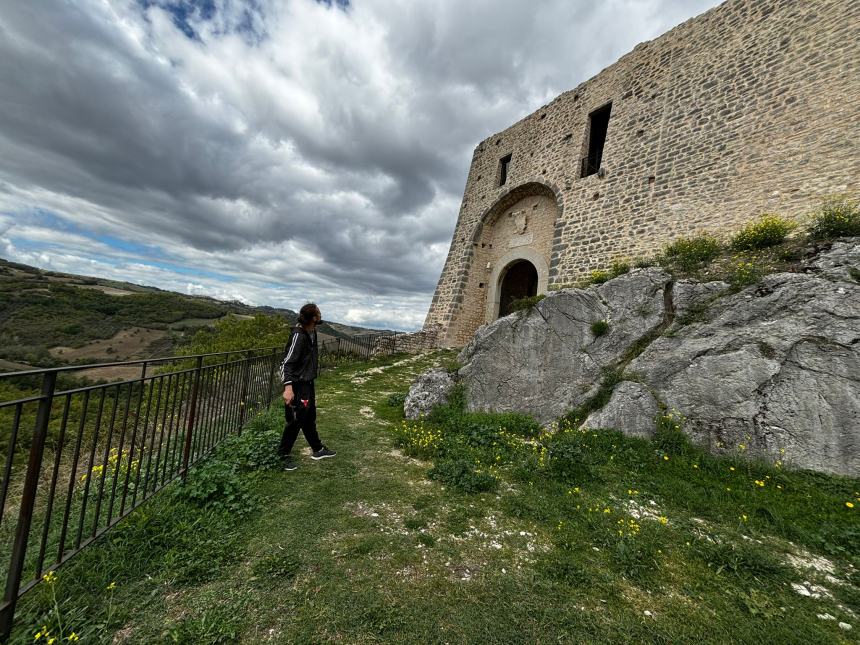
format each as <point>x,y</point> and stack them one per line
<point>467,528</point>
<point>49,318</point>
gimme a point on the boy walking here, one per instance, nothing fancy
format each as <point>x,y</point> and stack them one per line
<point>298,371</point>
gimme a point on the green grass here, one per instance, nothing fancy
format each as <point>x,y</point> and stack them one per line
<point>365,548</point>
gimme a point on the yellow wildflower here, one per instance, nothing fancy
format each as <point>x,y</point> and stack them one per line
<point>664,520</point>
<point>111,586</point>
<point>73,637</point>
<point>50,577</point>
<point>849,504</point>
<point>665,457</point>
<point>731,468</point>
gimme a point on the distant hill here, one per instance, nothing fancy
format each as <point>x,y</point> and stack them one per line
<point>49,318</point>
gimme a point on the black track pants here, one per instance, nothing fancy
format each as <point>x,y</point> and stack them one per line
<point>301,415</point>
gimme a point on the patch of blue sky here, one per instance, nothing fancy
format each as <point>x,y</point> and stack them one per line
<point>128,254</point>
<point>47,219</point>
<point>185,13</point>
<point>127,246</point>
<point>190,271</point>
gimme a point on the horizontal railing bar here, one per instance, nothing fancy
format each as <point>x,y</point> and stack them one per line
<point>150,361</point>
<point>97,386</point>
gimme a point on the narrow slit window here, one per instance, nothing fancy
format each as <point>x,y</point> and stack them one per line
<point>504,163</point>
<point>598,124</point>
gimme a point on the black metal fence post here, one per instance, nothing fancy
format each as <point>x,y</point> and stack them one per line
<point>28,500</point>
<point>186,451</point>
<point>243,402</point>
<point>272,376</point>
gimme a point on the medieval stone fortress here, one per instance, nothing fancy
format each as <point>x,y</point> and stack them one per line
<point>752,107</point>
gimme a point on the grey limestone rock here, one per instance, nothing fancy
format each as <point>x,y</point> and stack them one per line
<point>689,296</point>
<point>546,361</point>
<point>775,367</point>
<point>431,389</point>
<point>631,409</point>
<point>840,263</point>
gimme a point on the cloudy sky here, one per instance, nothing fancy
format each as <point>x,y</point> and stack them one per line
<point>275,151</point>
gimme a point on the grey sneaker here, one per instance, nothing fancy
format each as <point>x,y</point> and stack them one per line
<point>322,453</point>
<point>288,463</point>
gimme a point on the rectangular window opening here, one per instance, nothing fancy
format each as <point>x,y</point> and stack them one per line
<point>598,124</point>
<point>504,163</point>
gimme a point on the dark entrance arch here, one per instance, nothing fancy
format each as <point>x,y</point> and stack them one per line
<point>519,281</point>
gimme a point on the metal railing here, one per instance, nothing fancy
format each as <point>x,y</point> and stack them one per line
<point>97,452</point>
<point>336,350</point>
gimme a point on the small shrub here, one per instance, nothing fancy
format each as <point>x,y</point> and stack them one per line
<point>599,276</point>
<point>462,475</point>
<point>744,271</point>
<point>619,267</point>
<point>217,486</point>
<point>570,459</point>
<point>669,437</point>
<point>599,328</point>
<point>644,263</point>
<point>767,231</point>
<point>689,253</point>
<point>396,400</point>
<point>526,303</point>
<point>837,217</point>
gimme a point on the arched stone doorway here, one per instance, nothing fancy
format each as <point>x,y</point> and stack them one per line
<point>520,280</point>
<point>520,225</point>
<point>516,265</point>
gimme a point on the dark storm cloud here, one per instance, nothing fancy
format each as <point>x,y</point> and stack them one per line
<point>244,136</point>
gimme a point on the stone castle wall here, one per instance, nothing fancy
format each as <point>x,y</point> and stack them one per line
<point>751,107</point>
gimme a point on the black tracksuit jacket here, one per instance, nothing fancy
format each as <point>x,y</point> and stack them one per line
<point>301,362</point>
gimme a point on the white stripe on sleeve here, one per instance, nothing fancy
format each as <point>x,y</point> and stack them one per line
<point>289,353</point>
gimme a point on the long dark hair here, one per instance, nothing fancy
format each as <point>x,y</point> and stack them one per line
<point>307,313</point>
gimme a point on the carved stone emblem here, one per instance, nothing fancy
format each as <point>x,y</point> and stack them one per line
<point>521,220</point>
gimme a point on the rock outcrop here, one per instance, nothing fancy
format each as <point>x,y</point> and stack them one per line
<point>431,389</point>
<point>548,360</point>
<point>775,367</point>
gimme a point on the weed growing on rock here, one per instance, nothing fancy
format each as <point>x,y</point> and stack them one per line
<point>767,231</point>
<point>745,269</point>
<point>691,253</point>
<point>599,328</point>
<point>526,303</point>
<point>838,217</point>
